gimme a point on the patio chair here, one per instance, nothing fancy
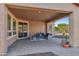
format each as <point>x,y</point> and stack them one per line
<point>48,36</point>
<point>42,36</point>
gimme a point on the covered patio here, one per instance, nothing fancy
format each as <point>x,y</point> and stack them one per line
<point>37,20</point>
<point>30,21</point>
<point>21,21</point>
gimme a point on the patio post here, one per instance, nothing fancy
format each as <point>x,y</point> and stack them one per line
<point>3,45</point>
<point>45,27</point>
<point>74,29</point>
<point>53,28</point>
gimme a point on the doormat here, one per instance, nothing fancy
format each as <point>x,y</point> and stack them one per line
<point>42,54</point>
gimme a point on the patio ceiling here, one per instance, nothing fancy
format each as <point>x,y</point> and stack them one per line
<point>37,14</point>
<point>76,4</point>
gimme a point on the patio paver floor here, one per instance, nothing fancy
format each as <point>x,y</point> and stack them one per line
<point>25,47</point>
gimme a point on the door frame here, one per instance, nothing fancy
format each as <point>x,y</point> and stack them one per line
<point>23,21</point>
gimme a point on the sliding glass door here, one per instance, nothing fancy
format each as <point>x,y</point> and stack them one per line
<point>22,30</point>
<point>25,30</point>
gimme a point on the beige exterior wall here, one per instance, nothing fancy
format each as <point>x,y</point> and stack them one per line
<point>3,47</point>
<point>74,29</point>
<point>36,27</point>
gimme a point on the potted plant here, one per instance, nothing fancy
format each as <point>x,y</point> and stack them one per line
<point>65,43</point>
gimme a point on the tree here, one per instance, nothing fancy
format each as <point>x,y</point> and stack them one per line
<point>63,28</point>
<point>56,28</point>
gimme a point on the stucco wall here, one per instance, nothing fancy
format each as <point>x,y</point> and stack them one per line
<point>74,29</point>
<point>3,47</point>
<point>36,27</point>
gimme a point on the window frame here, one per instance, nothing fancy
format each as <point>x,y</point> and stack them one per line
<point>9,30</point>
<point>14,27</point>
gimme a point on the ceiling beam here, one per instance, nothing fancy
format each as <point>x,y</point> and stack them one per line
<point>76,4</point>
<point>59,16</point>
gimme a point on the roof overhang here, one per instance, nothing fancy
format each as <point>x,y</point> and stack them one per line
<point>76,4</point>
<point>37,14</point>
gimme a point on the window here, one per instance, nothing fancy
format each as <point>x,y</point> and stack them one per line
<point>9,25</point>
<point>14,27</point>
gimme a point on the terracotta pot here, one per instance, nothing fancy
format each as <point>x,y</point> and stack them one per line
<point>66,45</point>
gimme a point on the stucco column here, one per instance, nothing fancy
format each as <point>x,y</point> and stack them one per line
<point>53,28</point>
<point>49,27</point>
<point>74,29</point>
<point>3,44</point>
